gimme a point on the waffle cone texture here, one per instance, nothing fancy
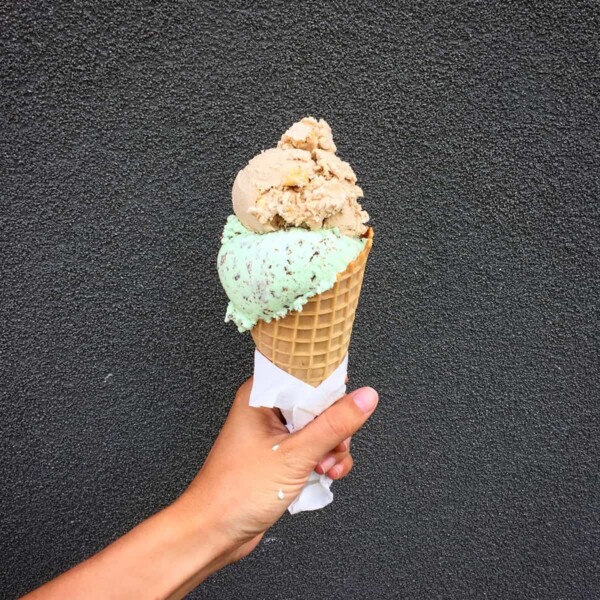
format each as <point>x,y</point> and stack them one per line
<point>311,343</point>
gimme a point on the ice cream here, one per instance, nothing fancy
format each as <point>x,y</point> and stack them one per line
<point>297,225</point>
<point>292,262</point>
<point>266,276</point>
<point>301,183</point>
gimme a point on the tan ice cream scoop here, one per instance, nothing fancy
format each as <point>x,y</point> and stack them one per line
<point>301,183</point>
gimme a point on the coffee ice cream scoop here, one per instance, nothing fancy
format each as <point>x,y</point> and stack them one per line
<point>300,183</point>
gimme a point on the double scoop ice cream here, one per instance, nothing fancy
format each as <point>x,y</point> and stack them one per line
<point>298,224</point>
<point>292,262</point>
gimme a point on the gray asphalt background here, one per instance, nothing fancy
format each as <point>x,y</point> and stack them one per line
<point>474,129</point>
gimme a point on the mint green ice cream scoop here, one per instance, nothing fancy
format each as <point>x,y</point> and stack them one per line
<point>267,275</point>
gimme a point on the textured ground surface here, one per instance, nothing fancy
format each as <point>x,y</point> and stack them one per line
<point>474,131</point>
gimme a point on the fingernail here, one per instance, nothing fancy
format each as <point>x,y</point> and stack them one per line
<point>336,471</point>
<point>365,399</point>
<point>327,463</point>
<point>347,443</point>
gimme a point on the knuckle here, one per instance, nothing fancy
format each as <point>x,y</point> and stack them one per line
<point>338,427</point>
<point>342,456</point>
<point>243,391</point>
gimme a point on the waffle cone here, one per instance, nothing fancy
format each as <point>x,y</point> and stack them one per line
<point>311,343</point>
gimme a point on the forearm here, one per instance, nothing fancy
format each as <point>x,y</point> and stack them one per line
<point>164,557</point>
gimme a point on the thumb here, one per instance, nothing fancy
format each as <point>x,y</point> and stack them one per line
<point>338,422</point>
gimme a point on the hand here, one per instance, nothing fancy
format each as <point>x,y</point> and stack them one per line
<point>256,468</point>
<point>252,474</point>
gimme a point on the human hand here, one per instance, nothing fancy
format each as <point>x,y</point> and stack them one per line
<point>252,474</point>
<point>256,468</point>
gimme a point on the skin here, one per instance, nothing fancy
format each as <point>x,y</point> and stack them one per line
<point>223,514</point>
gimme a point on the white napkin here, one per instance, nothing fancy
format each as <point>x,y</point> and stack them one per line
<point>299,403</point>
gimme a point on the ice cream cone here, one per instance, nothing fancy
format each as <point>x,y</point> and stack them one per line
<point>310,344</point>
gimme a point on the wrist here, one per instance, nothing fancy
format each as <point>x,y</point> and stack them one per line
<point>165,556</point>
<point>203,530</point>
<point>194,547</point>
